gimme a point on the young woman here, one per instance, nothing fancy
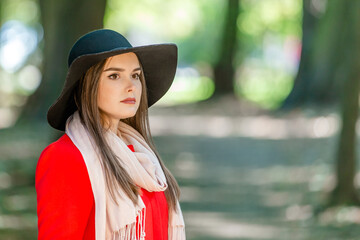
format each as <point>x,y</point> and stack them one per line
<point>104,179</point>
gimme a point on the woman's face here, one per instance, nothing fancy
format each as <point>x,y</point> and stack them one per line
<point>119,80</point>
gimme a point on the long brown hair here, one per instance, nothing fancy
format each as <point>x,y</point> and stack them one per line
<point>85,96</point>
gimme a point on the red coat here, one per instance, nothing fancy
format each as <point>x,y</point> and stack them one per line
<point>65,201</point>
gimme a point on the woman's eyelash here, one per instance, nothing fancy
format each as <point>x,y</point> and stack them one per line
<point>110,76</point>
<point>138,75</point>
<point>117,76</point>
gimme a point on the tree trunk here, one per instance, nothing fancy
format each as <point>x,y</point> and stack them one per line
<point>315,83</point>
<point>329,46</point>
<point>63,23</point>
<point>305,75</point>
<point>224,70</point>
<point>349,74</point>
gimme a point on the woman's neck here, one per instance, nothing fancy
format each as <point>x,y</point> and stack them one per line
<point>123,139</point>
<point>114,127</point>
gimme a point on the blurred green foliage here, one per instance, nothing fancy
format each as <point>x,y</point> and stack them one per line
<point>26,11</point>
<point>268,31</point>
<point>196,27</point>
<point>270,35</point>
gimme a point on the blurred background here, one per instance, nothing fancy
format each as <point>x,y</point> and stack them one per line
<point>259,127</point>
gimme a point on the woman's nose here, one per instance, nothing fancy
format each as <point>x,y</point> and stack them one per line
<point>130,84</point>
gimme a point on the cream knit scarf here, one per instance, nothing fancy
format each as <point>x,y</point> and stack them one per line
<point>119,221</point>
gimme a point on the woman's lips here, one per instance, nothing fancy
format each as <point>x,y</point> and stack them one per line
<point>129,101</point>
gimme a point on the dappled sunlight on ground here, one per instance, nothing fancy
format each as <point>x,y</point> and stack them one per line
<point>255,127</point>
<point>220,226</point>
<point>16,222</point>
<point>251,188</point>
<point>297,212</point>
<point>341,215</point>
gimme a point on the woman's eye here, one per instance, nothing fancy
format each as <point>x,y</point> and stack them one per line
<point>114,76</point>
<point>137,76</point>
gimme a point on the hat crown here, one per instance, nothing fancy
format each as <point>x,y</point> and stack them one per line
<point>97,41</point>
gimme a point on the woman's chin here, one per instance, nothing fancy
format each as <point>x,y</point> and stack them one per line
<point>127,114</point>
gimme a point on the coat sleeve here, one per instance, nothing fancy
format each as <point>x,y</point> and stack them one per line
<point>64,194</point>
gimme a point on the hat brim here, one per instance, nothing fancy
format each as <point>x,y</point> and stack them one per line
<point>159,62</point>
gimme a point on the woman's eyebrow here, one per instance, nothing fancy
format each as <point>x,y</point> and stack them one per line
<point>120,69</point>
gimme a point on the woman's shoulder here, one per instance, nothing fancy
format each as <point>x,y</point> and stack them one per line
<point>61,147</point>
<point>61,153</point>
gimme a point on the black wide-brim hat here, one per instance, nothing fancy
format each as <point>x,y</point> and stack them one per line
<point>159,62</point>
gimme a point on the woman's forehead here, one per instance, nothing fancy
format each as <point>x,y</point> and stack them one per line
<point>124,59</point>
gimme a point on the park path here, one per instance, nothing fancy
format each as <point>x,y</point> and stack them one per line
<point>246,173</point>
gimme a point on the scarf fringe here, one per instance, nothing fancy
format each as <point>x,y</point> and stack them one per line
<point>131,231</point>
<point>176,232</point>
